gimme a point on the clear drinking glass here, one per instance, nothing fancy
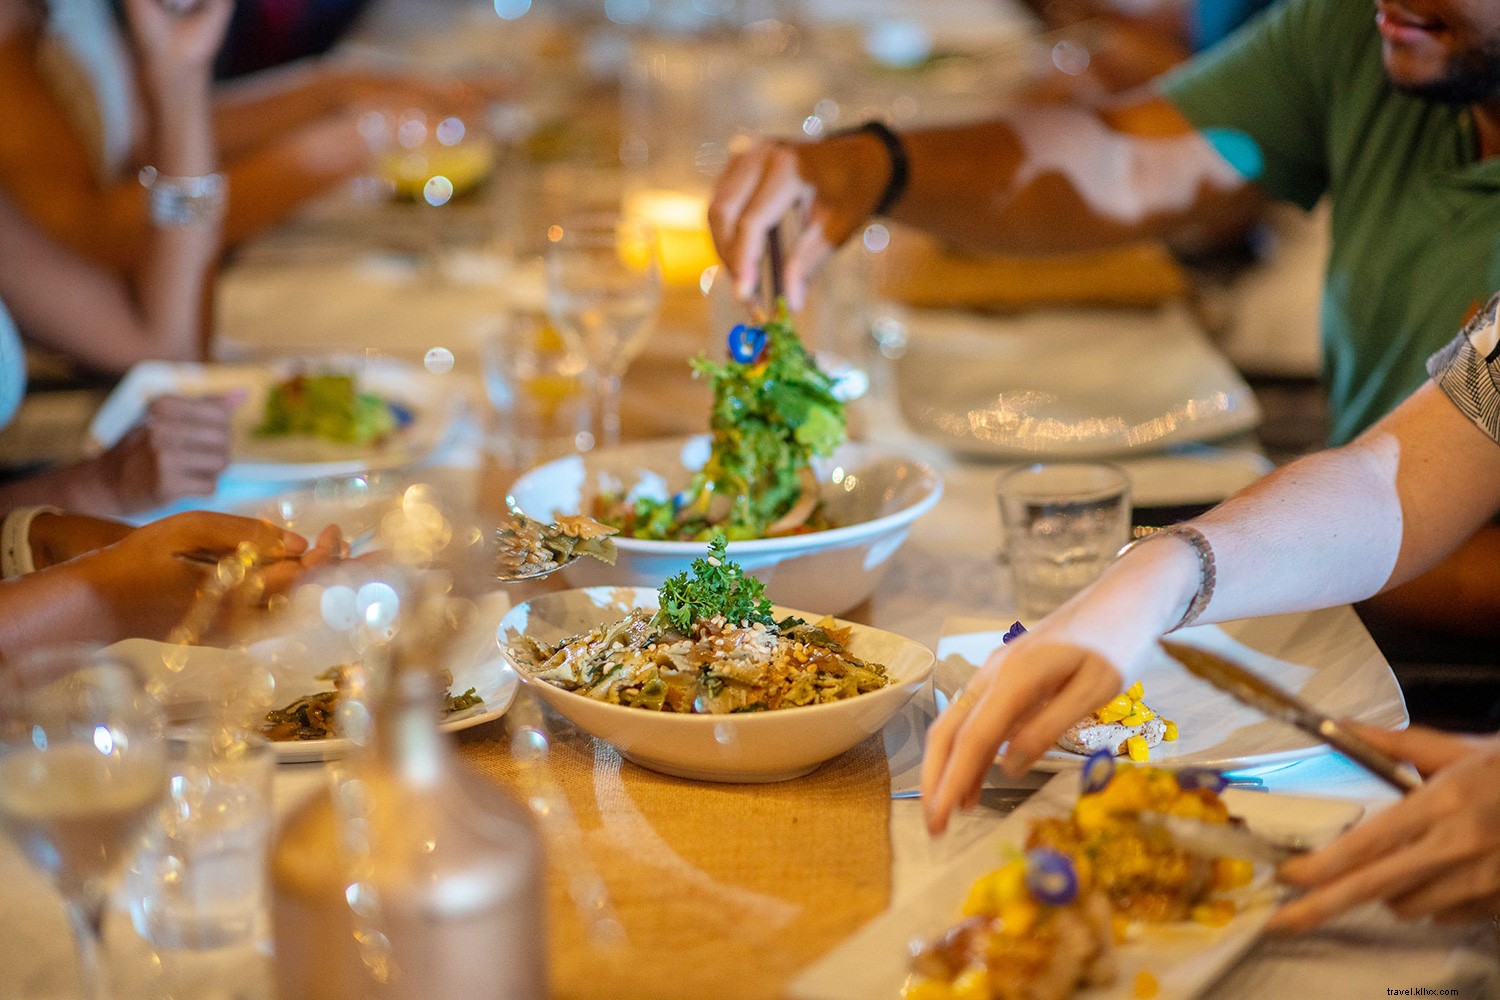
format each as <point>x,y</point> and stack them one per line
<point>603,292</point>
<point>199,881</point>
<point>536,382</point>
<point>1064,522</point>
<point>82,768</point>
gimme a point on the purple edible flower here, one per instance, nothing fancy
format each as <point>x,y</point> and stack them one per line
<point>746,343</point>
<point>1017,629</point>
<point>1051,876</point>
<point>1097,771</point>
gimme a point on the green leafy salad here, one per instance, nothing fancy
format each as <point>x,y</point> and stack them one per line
<point>330,407</point>
<point>773,410</point>
<point>712,647</point>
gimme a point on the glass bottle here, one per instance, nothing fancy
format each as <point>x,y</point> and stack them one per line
<point>411,875</point>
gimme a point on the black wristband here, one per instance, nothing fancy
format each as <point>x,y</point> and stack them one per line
<point>900,165</point>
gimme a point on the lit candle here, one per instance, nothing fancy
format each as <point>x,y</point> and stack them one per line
<point>681,224</point>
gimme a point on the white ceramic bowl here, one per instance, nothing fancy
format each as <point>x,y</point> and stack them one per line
<point>872,493</point>
<point>747,747</point>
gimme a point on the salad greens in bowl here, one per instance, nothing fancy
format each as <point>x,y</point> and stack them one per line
<point>814,517</point>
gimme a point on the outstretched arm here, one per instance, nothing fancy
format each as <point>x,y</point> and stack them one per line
<point>1043,179</point>
<point>1334,527</point>
<point>73,305</point>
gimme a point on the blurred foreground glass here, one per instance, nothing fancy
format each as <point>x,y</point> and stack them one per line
<point>603,293</point>
<point>82,768</point>
<point>200,879</point>
<point>537,384</point>
<point>1063,524</point>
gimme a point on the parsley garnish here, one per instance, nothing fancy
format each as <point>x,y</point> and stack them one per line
<point>716,586</point>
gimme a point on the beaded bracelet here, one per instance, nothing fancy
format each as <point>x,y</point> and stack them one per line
<point>1207,569</point>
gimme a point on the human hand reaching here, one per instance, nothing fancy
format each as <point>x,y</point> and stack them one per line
<point>178,450</point>
<point>833,185</point>
<point>1435,853</point>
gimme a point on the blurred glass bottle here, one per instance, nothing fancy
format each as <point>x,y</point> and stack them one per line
<point>412,876</point>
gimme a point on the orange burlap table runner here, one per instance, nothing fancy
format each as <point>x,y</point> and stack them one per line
<point>723,891</point>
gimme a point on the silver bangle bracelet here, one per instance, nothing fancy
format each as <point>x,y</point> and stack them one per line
<point>183,201</point>
<point>1207,569</point>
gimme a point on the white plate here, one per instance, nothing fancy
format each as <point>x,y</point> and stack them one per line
<point>741,747</point>
<point>1326,657</point>
<point>1185,958</point>
<point>872,492</point>
<point>193,673</point>
<point>1077,383</point>
<point>432,400</point>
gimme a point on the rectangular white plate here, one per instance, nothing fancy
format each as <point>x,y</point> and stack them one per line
<point>1325,657</point>
<point>1185,958</point>
<point>432,400</point>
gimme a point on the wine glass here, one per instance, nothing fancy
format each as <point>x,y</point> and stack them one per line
<point>603,293</point>
<point>82,769</point>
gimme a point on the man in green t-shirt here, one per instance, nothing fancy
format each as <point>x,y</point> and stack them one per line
<point>1392,110</point>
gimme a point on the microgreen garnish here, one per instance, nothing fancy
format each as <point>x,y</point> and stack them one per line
<point>715,586</point>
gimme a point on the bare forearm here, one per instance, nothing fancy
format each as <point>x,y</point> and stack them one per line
<point>1060,178</point>
<point>1343,525</point>
<point>53,605</point>
<point>79,487</point>
<point>274,182</point>
<point>273,103</point>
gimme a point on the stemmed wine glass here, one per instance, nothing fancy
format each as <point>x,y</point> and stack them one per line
<point>83,767</point>
<point>603,293</point>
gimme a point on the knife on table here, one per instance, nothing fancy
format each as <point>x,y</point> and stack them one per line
<point>1257,692</point>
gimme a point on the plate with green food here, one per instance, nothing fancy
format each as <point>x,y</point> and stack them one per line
<point>301,419</point>
<point>286,684</point>
<point>814,516</point>
<point>706,679</point>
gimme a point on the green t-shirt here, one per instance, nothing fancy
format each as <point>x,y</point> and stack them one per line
<point>1416,220</point>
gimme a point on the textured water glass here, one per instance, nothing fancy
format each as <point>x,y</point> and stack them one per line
<point>199,881</point>
<point>1063,524</point>
<point>537,385</point>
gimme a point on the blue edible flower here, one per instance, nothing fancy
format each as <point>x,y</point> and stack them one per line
<point>1051,876</point>
<point>1097,771</point>
<point>401,414</point>
<point>1015,631</point>
<point>746,343</point>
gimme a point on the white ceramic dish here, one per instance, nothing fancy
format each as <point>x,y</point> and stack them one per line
<point>198,673</point>
<point>873,493</point>
<point>1184,958</point>
<point>744,748</point>
<point>1076,383</point>
<point>1326,657</point>
<point>432,400</point>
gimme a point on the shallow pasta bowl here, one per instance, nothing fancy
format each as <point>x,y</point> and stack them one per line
<point>743,747</point>
<point>872,494</point>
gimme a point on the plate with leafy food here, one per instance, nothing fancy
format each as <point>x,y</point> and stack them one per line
<point>1123,882</point>
<point>815,517</point>
<point>706,679</point>
<point>300,419</point>
<point>286,684</point>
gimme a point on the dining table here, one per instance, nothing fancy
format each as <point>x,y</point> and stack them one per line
<point>713,890</point>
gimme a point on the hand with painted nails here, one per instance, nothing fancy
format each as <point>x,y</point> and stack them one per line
<point>1436,853</point>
